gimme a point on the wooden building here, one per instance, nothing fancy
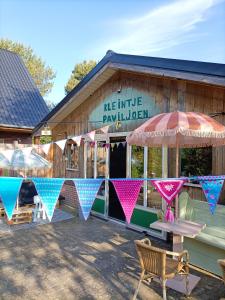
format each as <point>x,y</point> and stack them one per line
<point>123,91</point>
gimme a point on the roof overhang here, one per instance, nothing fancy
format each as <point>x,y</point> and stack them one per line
<point>15,129</point>
<point>106,72</point>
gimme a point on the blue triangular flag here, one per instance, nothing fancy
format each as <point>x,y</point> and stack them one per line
<point>87,190</point>
<point>212,190</point>
<point>48,189</point>
<point>9,191</point>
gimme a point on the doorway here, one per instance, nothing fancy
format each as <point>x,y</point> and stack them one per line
<point>117,169</point>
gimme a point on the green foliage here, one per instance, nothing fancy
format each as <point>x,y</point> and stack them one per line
<point>42,75</point>
<point>44,139</point>
<point>79,72</point>
<point>196,161</point>
<point>137,162</point>
<point>154,162</point>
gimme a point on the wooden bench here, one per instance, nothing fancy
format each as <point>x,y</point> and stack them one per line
<point>208,246</point>
<point>23,215</point>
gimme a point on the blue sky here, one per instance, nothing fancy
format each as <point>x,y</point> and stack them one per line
<point>66,32</point>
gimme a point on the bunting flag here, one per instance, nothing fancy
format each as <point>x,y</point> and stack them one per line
<point>87,190</point>
<point>168,189</point>
<point>113,145</point>
<point>127,192</point>
<point>77,139</point>
<point>105,129</point>
<point>27,151</point>
<point>212,190</point>
<point>8,154</point>
<point>61,144</point>
<point>91,135</point>
<point>48,189</point>
<point>46,147</point>
<point>9,192</point>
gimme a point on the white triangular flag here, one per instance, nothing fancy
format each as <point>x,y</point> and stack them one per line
<point>61,144</point>
<point>27,151</point>
<point>113,145</point>
<point>77,139</point>
<point>117,144</point>
<point>105,129</point>
<point>46,147</point>
<point>91,135</point>
<point>8,154</point>
<point>124,144</point>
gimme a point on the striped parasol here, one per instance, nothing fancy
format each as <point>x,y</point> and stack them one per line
<point>178,129</point>
<point>183,129</point>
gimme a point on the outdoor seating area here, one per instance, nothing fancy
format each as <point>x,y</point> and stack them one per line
<point>93,260</point>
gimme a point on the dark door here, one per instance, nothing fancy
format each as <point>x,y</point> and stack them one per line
<point>117,169</point>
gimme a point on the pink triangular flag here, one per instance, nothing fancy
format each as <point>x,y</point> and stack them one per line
<point>46,147</point>
<point>77,139</point>
<point>168,189</point>
<point>8,154</point>
<point>127,192</point>
<point>61,144</point>
<point>105,129</point>
<point>91,135</point>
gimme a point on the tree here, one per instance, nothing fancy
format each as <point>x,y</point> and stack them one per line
<point>42,74</point>
<point>79,72</point>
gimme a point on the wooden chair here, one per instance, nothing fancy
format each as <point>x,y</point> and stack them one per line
<point>221,262</point>
<point>156,262</point>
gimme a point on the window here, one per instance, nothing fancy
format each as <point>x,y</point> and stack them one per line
<point>101,166</point>
<point>101,160</point>
<point>196,161</point>
<point>154,199</point>
<point>72,153</point>
<point>137,168</point>
<point>90,159</point>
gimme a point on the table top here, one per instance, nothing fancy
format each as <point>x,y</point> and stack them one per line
<point>180,227</point>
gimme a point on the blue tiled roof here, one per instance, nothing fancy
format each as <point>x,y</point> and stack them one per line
<point>21,104</point>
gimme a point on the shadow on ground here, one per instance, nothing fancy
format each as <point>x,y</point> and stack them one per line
<point>80,260</point>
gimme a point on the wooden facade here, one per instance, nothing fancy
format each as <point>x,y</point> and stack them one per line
<point>127,95</point>
<point>168,94</point>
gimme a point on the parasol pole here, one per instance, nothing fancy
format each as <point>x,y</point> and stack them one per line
<point>177,175</point>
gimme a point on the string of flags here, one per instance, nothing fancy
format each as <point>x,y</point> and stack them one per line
<point>78,140</point>
<point>127,190</point>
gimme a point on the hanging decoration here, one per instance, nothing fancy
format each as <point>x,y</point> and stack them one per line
<point>168,189</point>
<point>77,139</point>
<point>61,144</point>
<point>113,145</point>
<point>127,192</point>
<point>27,151</point>
<point>87,190</point>
<point>212,190</point>
<point>9,192</point>
<point>48,189</point>
<point>46,147</point>
<point>92,144</point>
<point>105,129</point>
<point>8,154</point>
<point>91,135</point>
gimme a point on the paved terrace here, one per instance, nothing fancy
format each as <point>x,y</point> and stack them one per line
<point>80,260</point>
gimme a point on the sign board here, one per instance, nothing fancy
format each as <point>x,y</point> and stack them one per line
<point>126,106</point>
